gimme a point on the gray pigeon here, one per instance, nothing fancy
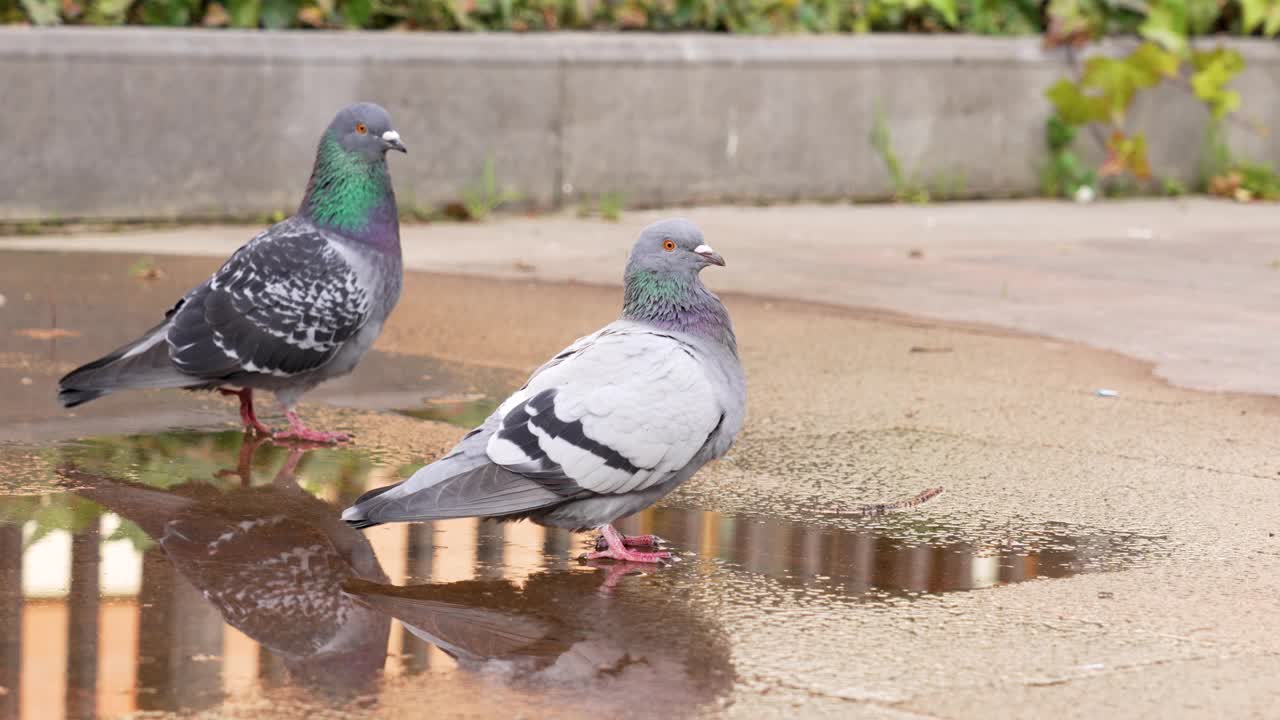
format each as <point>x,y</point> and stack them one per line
<point>608,426</point>
<point>297,305</point>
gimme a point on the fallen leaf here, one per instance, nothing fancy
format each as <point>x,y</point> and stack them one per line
<point>216,16</point>
<point>311,17</point>
<point>46,333</point>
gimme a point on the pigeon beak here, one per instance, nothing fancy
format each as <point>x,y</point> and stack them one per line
<point>391,139</point>
<point>711,256</point>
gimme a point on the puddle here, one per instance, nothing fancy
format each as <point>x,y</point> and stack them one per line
<point>465,412</point>
<point>182,571</point>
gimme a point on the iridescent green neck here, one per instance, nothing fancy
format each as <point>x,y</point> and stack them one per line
<point>349,193</point>
<point>674,302</point>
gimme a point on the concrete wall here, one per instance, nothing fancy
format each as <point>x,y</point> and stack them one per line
<point>135,122</point>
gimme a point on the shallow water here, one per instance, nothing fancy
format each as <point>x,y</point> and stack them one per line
<point>184,571</point>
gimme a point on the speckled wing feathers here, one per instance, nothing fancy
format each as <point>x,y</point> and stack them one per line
<point>282,305</point>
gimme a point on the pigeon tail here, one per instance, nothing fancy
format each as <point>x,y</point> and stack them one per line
<point>143,363</point>
<point>489,491</point>
<point>355,517</point>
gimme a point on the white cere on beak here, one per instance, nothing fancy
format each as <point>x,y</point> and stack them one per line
<point>704,250</point>
<point>391,136</point>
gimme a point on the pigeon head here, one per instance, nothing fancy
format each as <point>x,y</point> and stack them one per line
<point>662,283</point>
<point>364,130</point>
<point>350,188</point>
<point>672,247</point>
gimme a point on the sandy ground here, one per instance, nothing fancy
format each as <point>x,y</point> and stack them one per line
<point>849,407</point>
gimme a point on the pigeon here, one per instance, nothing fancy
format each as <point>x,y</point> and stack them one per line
<point>271,558</point>
<point>608,426</point>
<point>297,305</point>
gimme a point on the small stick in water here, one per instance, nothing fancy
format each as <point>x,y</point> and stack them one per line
<point>874,509</point>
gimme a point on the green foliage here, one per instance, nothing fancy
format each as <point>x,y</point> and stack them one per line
<point>1222,174</point>
<point>244,13</point>
<point>1172,187</point>
<point>169,12</point>
<point>43,12</point>
<point>1065,173</point>
<point>1104,92</point>
<point>608,206</point>
<point>1260,14</point>
<point>1107,86</point>
<point>1166,21</point>
<point>1215,156</point>
<point>906,186</point>
<point>483,197</point>
<point>1212,71</point>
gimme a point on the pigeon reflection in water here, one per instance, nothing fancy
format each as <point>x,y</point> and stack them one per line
<point>626,635</point>
<point>272,560</point>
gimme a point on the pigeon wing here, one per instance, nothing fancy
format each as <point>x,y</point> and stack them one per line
<point>625,411</point>
<point>284,304</point>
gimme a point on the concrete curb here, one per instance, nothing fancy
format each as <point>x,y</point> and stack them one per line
<point>151,123</point>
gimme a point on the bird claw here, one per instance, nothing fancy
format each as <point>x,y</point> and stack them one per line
<point>311,436</point>
<point>630,556</point>
<point>298,431</point>
<point>633,541</point>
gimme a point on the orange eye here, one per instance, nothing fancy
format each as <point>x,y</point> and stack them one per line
<point>361,129</point>
<point>668,245</point>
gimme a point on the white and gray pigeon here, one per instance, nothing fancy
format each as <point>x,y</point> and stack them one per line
<point>297,305</point>
<point>608,426</point>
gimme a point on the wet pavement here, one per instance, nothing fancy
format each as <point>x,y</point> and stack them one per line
<point>1188,284</point>
<point>1089,555</point>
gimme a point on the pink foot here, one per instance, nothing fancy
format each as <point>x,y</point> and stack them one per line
<point>247,416</point>
<point>633,541</point>
<point>298,431</point>
<point>617,550</point>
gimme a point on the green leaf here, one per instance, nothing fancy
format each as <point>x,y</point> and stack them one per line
<point>279,14</point>
<point>947,9</point>
<point>1213,71</point>
<point>357,12</point>
<point>1202,16</point>
<point>1073,106</point>
<point>244,13</point>
<point>1059,134</point>
<point>43,12</point>
<point>1166,24</point>
<point>174,13</point>
<point>1117,80</point>
<point>1155,62</point>
<point>1252,13</point>
<point>1272,25</point>
<point>107,12</point>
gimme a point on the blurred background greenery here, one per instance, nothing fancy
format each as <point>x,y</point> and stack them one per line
<point>983,17</point>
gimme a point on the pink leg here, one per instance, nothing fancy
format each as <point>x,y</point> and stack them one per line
<point>617,550</point>
<point>633,541</point>
<point>247,416</point>
<point>298,431</point>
